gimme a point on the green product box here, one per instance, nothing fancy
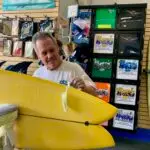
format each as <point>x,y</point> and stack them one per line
<point>105,18</point>
<point>102,68</point>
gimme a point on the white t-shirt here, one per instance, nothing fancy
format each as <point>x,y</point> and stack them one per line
<point>64,74</point>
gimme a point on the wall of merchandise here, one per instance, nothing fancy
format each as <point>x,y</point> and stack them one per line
<point>17,28</point>
<point>115,37</point>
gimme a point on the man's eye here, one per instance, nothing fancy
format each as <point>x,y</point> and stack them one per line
<point>51,50</point>
<point>44,53</point>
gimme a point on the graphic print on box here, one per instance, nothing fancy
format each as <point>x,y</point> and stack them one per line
<point>105,18</point>
<point>129,44</point>
<point>124,119</point>
<point>131,18</point>
<point>103,91</point>
<point>17,49</point>
<point>104,43</point>
<point>81,26</point>
<point>127,69</point>
<point>125,94</point>
<point>102,67</point>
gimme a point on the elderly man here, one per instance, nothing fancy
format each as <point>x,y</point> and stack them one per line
<point>57,70</point>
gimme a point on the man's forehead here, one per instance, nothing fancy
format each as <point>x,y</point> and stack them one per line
<point>45,40</point>
<point>45,44</point>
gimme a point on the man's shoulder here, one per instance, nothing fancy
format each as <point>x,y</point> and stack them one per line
<point>41,68</point>
<point>39,71</point>
<point>71,64</point>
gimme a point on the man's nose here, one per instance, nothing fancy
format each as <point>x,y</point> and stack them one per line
<point>49,55</point>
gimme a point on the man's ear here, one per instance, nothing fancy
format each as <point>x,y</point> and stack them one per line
<point>37,54</point>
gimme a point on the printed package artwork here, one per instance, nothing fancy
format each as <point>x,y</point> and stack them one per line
<point>18,49</point>
<point>127,69</point>
<point>125,94</point>
<point>102,67</point>
<point>7,47</point>
<point>124,119</point>
<point>29,51</point>
<point>103,91</point>
<point>129,44</point>
<point>104,43</point>
<point>132,18</point>
<point>105,18</point>
<point>81,27</point>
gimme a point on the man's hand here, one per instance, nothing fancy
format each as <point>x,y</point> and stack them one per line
<point>78,83</point>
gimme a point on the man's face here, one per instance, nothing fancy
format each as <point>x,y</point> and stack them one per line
<point>48,53</point>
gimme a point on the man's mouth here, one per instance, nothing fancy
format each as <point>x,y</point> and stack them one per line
<point>50,61</point>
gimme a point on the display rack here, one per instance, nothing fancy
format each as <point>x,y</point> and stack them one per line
<point>116,45</point>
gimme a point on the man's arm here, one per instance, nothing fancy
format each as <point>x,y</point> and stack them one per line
<point>91,90</point>
<point>79,83</point>
<point>82,81</point>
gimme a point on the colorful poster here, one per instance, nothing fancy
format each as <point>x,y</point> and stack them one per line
<point>102,68</point>
<point>13,5</point>
<point>125,94</point>
<point>124,119</point>
<point>104,43</point>
<point>103,91</point>
<point>127,69</point>
<point>81,27</point>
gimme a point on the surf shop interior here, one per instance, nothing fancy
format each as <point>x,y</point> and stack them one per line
<point>108,38</point>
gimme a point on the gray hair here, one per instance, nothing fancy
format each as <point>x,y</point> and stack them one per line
<point>40,36</point>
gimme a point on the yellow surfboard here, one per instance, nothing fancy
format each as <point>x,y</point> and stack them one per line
<point>43,123</point>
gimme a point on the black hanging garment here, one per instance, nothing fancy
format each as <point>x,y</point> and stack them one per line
<point>2,62</point>
<point>81,56</point>
<point>20,67</point>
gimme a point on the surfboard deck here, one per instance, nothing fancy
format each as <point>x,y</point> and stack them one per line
<point>41,133</point>
<point>42,122</point>
<point>39,97</point>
